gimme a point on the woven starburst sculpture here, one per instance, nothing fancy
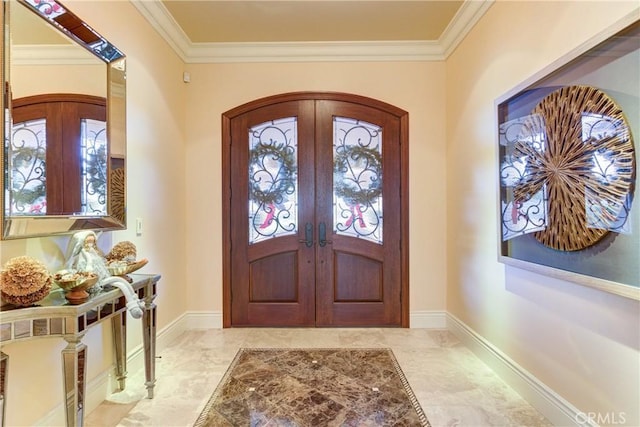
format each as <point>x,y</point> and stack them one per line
<point>117,196</point>
<point>584,162</point>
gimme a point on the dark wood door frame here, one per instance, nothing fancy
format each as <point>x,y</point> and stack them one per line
<point>226,187</point>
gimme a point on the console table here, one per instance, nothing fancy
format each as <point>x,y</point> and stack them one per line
<point>55,317</point>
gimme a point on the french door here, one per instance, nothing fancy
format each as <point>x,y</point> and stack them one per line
<point>315,214</point>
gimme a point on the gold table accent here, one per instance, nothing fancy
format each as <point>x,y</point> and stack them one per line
<point>54,316</point>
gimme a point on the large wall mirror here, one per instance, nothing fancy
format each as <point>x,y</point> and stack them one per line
<point>64,98</point>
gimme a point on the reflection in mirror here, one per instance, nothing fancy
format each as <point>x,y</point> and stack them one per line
<point>57,155</point>
<point>64,101</point>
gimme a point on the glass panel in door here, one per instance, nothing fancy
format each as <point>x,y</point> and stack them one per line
<point>273,180</point>
<point>357,179</point>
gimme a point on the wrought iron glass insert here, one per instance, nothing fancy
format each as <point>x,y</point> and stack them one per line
<point>28,193</point>
<point>94,166</point>
<point>27,157</point>
<point>524,215</point>
<point>273,179</point>
<point>357,179</point>
<point>608,211</point>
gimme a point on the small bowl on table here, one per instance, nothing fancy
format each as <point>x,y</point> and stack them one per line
<point>75,285</point>
<point>123,268</point>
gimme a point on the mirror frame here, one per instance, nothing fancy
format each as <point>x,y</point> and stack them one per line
<point>75,29</point>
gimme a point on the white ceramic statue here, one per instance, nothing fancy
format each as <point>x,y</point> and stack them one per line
<point>83,254</point>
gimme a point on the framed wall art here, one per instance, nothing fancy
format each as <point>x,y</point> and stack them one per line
<point>568,164</point>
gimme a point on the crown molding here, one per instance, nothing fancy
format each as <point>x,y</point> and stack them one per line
<point>464,20</point>
<point>52,54</point>
<point>314,52</point>
<point>162,21</point>
<point>411,50</point>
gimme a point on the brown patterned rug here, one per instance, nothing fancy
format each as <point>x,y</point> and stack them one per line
<point>313,387</point>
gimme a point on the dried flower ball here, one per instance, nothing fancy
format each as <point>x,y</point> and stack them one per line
<point>26,300</point>
<point>122,251</point>
<point>24,280</point>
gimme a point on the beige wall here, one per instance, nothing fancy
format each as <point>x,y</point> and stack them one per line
<point>27,80</point>
<point>580,342</point>
<point>156,183</point>
<point>416,87</point>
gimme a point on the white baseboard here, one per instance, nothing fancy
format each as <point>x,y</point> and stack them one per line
<point>556,409</point>
<point>428,320</point>
<point>417,319</point>
<point>204,320</point>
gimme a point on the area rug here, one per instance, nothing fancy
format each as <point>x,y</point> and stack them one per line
<point>313,388</point>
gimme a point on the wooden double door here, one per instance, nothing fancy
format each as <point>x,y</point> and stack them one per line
<point>315,212</point>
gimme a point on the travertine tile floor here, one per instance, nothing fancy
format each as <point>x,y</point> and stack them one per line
<point>452,385</point>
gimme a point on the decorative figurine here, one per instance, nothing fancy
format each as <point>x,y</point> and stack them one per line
<point>83,254</point>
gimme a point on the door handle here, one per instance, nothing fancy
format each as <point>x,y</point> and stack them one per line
<point>322,234</point>
<point>308,235</point>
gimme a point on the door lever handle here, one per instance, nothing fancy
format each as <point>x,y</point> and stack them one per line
<point>322,234</point>
<point>308,235</point>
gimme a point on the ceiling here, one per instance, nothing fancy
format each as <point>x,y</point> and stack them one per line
<point>304,21</point>
<point>212,30</point>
